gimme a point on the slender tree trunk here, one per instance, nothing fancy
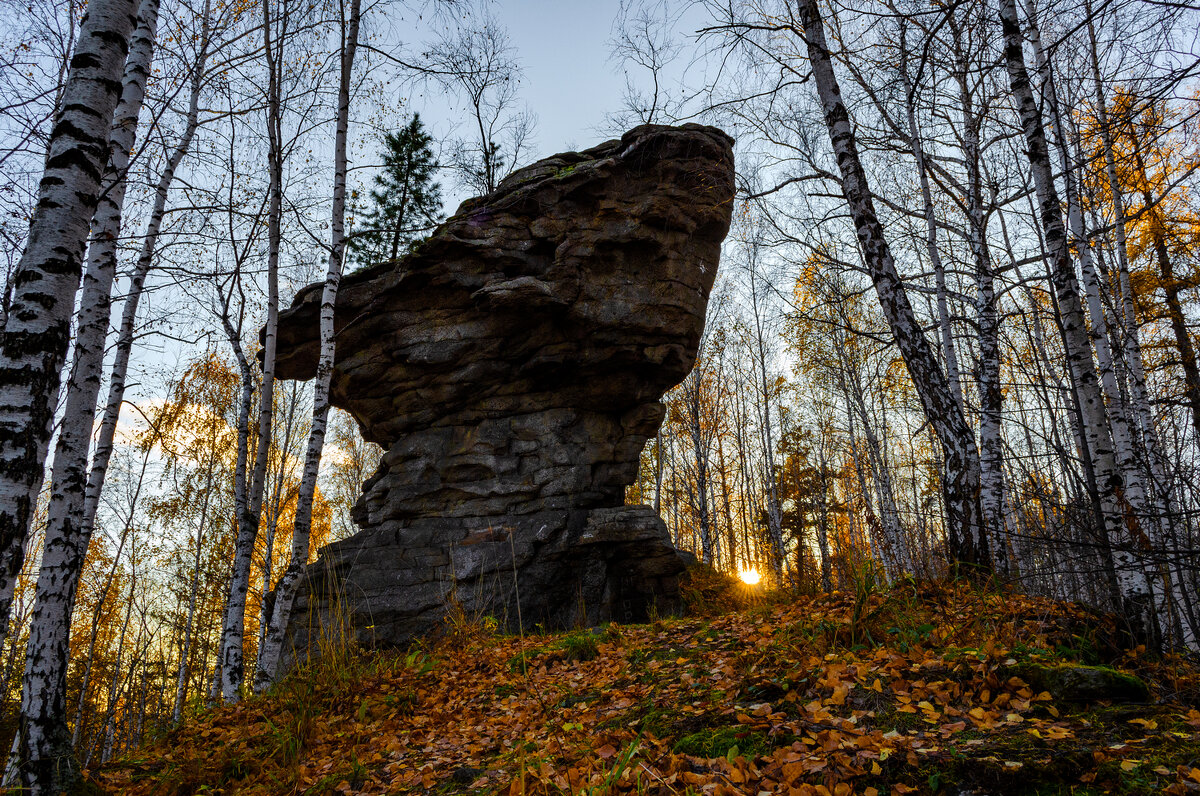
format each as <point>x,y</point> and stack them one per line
<point>278,498</point>
<point>676,535</point>
<point>965,529</point>
<point>1101,541</point>
<point>76,733</point>
<point>698,497</point>
<point>230,664</point>
<point>931,243</point>
<point>700,501</point>
<point>402,204</point>
<point>749,495</point>
<point>991,396</point>
<point>1135,592</point>
<point>872,522</point>
<point>1133,349</point>
<point>1067,392</point>
<point>115,684</point>
<point>45,749</point>
<point>1145,521</point>
<point>823,518</point>
<point>37,327</point>
<point>1123,449</point>
<point>727,506</point>
<point>240,488</point>
<point>658,472</point>
<point>181,678</point>
<point>124,345</point>
<point>285,593</point>
<point>771,478</point>
<point>889,515</point>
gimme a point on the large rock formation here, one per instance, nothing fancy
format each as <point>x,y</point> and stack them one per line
<point>511,366</point>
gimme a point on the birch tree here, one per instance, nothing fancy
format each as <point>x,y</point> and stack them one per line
<point>967,542</point>
<point>1133,350</point>
<point>44,738</point>
<point>1130,582</point>
<point>119,370</point>
<point>285,592</point>
<point>37,325</point>
<point>277,23</point>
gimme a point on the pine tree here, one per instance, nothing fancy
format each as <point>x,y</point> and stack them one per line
<point>407,202</point>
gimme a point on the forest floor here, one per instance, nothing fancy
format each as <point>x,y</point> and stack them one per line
<point>913,689</point>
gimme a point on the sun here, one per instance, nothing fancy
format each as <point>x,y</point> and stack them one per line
<point>749,576</point>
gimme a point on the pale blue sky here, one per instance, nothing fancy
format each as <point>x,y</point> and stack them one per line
<point>569,81</point>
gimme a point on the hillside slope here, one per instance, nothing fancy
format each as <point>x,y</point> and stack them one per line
<point>917,689</point>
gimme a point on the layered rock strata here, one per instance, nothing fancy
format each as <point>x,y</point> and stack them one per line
<point>511,367</point>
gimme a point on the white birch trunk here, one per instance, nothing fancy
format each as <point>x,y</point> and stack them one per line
<point>272,529</point>
<point>46,755</point>
<point>1139,397</point>
<point>1123,449</point>
<point>285,592</point>
<point>1134,590</point>
<point>991,397</point>
<point>961,485</point>
<point>1133,351</point>
<point>240,488</point>
<point>124,344</point>
<point>230,664</point>
<point>931,244</point>
<point>37,326</point>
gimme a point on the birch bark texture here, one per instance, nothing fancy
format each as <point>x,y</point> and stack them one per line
<point>961,485</point>
<point>230,665</point>
<point>285,593</point>
<point>118,374</point>
<point>45,752</point>
<point>945,328</point>
<point>991,395</point>
<point>1135,592</point>
<point>37,327</point>
<point>1126,456</point>
<point>1133,350</point>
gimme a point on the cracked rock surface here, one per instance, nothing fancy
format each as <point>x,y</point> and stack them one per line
<point>511,367</point>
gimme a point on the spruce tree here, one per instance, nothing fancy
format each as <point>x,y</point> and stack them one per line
<point>406,200</point>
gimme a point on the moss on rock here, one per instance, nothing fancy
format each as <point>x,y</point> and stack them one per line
<point>1075,683</point>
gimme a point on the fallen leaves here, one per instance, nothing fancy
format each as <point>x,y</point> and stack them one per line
<point>749,703</point>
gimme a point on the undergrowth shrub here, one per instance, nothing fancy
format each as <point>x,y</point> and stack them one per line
<point>580,646</point>
<point>707,592</point>
<point>458,625</point>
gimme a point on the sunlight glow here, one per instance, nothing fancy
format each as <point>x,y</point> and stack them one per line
<point>749,576</point>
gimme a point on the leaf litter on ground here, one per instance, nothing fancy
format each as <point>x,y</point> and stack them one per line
<point>920,688</point>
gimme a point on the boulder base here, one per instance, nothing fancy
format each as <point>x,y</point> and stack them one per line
<point>511,366</point>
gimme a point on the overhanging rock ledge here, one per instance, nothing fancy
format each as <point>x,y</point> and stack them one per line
<point>511,367</point>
